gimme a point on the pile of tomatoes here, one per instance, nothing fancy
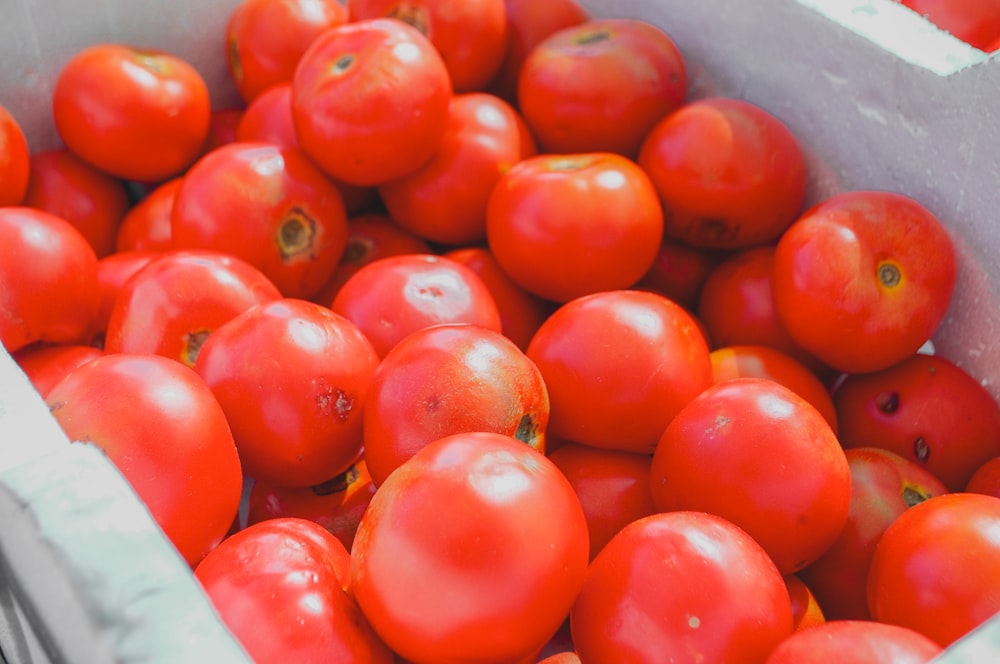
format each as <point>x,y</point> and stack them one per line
<point>516,352</point>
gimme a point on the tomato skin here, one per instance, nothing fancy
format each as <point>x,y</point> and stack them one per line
<point>612,486</point>
<point>465,508</point>
<point>296,423</point>
<point>976,22</point>
<point>136,114</point>
<point>336,504</point>
<point>680,272</point>
<point>600,86</point>
<point>278,586</point>
<point>883,486</point>
<point>113,272</point>
<point>936,569</point>
<point>370,101</point>
<point>268,118</point>
<point>730,174</point>
<point>806,611</point>
<point>46,365</point>
<point>265,39</point>
<point>160,425</point>
<point>986,479</point>
<point>395,296</point>
<point>445,200</point>
<point>863,279</point>
<point>449,379</point>
<point>267,205</point>
<point>48,282</point>
<point>15,160</point>
<point>619,396</point>
<point>680,586</point>
<point>146,225</point>
<point>754,452</point>
<point>564,226</point>
<point>171,305</point>
<point>927,410</point>
<point>855,642</point>
<point>470,35</point>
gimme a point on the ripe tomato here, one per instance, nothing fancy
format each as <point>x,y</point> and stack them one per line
<point>730,174</point>
<point>395,296</point>
<point>113,272</point>
<point>926,409</point>
<point>863,279</point>
<point>936,569</point>
<point>528,23</point>
<point>146,225</point>
<point>449,379</point>
<point>137,114</point>
<point>976,22</point>
<point>806,611</point>
<point>612,486</point>
<point>763,362</point>
<point>521,313</point>
<point>267,205</point>
<point>883,486</point>
<point>292,377</point>
<point>279,587</point>
<point>680,272</point>
<point>266,38</point>
<point>370,101</point>
<point>756,453</point>
<point>268,118</point>
<point>445,200</point>
<point>174,303</point>
<point>618,366</point>
<point>222,128</point>
<point>680,586</point>
<point>496,551</point>
<point>855,642</point>
<point>48,279</point>
<point>470,35</point>
<point>336,504</point>
<point>160,425</point>
<point>986,479</point>
<point>14,160</point>
<point>600,86</point>
<point>46,365</point>
<point>571,225</point>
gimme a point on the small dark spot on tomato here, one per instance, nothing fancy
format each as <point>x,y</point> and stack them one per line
<point>913,495</point>
<point>921,450</point>
<point>527,430</point>
<point>887,402</point>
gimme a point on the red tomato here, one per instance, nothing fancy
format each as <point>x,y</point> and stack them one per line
<point>756,453</point>
<point>567,226</point>
<point>395,296</point>
<point>855,642</point>
<point>293,378</point>
<point>146,225</point>
<point>883,486</point>
<point>470,35</point>
<point>681,586</point>
<point>370,237</point>
<point>528,23</point>
<point>278,586</point>
<point>731,362</point>
<point>806,611</point>
<point>986,479</point>
<point>445,200</point>
<point>160,425</point>
<point>113,271</point>
<point>521,313</point>
<point>14,160</point>
<point>680,272</point>
<point>561,658</point>
<point>496,551</point>
<point>370,101</point>
<point>266,38</point>
<point>730,174</point>
<point>618,366</point>
<point>268,118</point>
<point>137,114</point>
<point>336,504</point>
<point>936,569</point>
<point>46,365</point>
<point>174,303</point>
<point>222,128</point>
<point>863,279</point>
<point>449,379</point>
<point>612,486</point>
<point>48,280</point>
<point>926,409</point>
<point>267,205</point>
<point>600,86</point>
<point>976,22</point>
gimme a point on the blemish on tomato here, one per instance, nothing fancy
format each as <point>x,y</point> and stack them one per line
<point>921,450</point>
<point>193,341</point>
<point>336,403</point>
<point>295,234</point>
<point>913,495</point>
<point>527,431</point>
<point>889,275</point>
<point>887,402</point>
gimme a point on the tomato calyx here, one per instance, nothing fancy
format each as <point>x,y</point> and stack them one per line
<point>193,341</point>
<point>295,234</point>
<point>413,15</point>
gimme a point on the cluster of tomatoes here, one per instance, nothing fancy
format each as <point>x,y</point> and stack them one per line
<point>525,355</point>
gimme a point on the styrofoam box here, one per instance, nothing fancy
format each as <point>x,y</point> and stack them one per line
<point>879,97</point>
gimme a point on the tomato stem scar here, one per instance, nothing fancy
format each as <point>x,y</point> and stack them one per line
<point>889,275</point>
